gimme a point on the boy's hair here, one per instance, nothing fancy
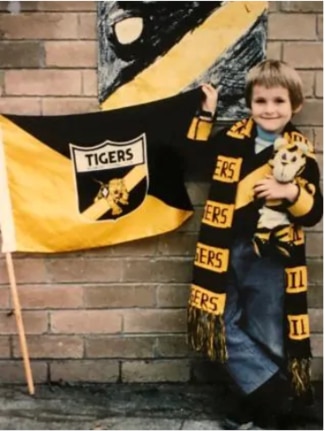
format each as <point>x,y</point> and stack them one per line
<point>273,73</point>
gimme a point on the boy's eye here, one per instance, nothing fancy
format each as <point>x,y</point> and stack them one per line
<point>280,100</point>
<point>260,101</point>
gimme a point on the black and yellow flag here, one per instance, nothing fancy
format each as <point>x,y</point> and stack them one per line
<point>81,181</point>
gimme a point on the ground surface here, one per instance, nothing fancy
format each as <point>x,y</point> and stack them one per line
<point>117,406</point>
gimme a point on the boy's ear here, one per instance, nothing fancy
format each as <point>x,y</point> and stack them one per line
<point>297,109</point>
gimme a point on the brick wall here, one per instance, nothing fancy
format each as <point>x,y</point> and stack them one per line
<point>118,314</point>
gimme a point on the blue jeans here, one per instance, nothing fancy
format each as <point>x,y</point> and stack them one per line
<point>254,316</point>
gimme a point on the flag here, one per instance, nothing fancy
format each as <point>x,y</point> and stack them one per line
<point>89,180</point>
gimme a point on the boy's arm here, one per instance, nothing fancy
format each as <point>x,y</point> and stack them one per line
<point>203,138</point>
<point>201,126</point>
<point>307,209</point>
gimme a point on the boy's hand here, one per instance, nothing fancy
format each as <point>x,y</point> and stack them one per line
<point>210,98</point>
<point>270,188</point>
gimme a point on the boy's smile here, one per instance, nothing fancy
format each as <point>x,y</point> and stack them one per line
<point>271,107</point>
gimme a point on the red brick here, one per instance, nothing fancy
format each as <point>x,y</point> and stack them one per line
<point>317,345</point>
<point>35,322</point>
<point>21,54</point>
<point>172,346</point>
<point>4,297</point>
<point>172,295</point>
<point>51,346</point>
<point>274,50</point>
<point>67,54</point>
<point>273,6</point>
<point>4,6</point>
<point>61,106</point>
<point>314,245</point>
<point>147,321</point>
<point>311,114</point>
<point>43,82</point>
<point>315,271</point>
<point>87,26</point>
<point>89,82</point>
<point>77,6</point>
<point>50,6</point>
<point>315,296</point>
<point>308,82</point>
<point>1,83</point>
<point>120,347</point>
<point>121,295</point>
<point>13,372</point>
<point>51,296</point>
<point>17,7</point>
<point>177,244</point>
<point>20,105</point>
<point>319,141</point>
<point>86,322</point>
<point>155,371</point>
<point>319,84</point>
<point>317,369</point>
<point>175,270</point>
<point>303,54</point>
<point>26,271</point>
<point>85,371</point>
<point>301,6</point>
<point>291,26</point>
<point>143,247</point>
<point>84,270</point>
<point>4,347</point>
<point>39,26</point>
<point>316,320</point>
<point>320,26</point>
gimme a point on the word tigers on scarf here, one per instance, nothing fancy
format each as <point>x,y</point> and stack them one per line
<point>231,190</point>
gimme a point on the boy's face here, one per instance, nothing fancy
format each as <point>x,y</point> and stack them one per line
<point>271,107</point>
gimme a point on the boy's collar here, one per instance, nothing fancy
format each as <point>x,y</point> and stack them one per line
<point>266,136</point>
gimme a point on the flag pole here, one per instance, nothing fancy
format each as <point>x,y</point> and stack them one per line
<point>20,324</point>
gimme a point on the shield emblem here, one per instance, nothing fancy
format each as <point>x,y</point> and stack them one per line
<point>111,178</point>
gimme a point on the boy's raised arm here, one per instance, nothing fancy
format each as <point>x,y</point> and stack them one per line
<point>202,124</point>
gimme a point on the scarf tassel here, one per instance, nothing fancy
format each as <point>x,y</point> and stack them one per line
<point>300,371</point>
<point>206,333</point>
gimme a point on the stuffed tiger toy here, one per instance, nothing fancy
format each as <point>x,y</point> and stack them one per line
<point>274,227</point>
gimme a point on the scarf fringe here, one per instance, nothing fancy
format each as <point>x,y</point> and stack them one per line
<point>206,334</point>
<point>300,371</point>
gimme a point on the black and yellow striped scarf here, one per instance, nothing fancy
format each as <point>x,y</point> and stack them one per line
<point>206,330</point>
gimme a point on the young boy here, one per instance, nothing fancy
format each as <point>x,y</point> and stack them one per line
<point>248,310</point>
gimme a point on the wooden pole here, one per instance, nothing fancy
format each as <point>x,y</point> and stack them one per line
<point>20,324</point>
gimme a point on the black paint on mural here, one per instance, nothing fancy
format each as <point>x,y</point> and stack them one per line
<point>163,25</point>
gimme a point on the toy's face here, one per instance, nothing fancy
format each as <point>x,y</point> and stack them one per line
<point>271,108</point>
<point>287,163</point>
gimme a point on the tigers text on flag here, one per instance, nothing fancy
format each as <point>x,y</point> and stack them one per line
<point>90,180</point>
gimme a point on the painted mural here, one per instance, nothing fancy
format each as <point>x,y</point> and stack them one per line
<point>153,50</point>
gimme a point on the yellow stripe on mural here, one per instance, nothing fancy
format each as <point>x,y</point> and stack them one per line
<point>194,54</point>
